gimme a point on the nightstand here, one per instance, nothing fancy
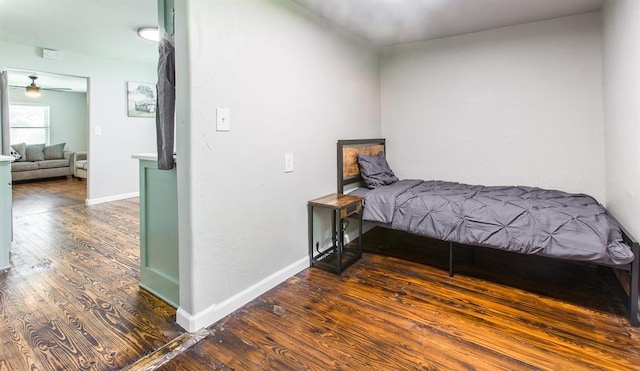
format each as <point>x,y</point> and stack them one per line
<point>339,256</point>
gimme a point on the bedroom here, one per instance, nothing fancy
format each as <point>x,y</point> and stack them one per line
<point>295,83</point>
<point>508,88</point>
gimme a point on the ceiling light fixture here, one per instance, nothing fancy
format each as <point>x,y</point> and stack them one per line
<point>149,33</point>
<point>33,90</point>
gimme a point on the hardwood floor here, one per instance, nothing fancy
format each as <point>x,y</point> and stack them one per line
<point>71,299</point>
<point>72,302</point>
<point>42,196</point>
<point>499,312</point>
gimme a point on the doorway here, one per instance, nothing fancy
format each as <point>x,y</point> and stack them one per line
<point>48,119</point>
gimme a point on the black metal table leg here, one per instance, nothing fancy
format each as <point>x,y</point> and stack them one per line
<point>339,233</point>
<point>360,236</point>
<point>310,229</point>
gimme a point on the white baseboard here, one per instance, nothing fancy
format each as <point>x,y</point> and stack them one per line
<point>215,312</point>
<point>123,196</point>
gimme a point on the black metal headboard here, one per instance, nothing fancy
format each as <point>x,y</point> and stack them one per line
<point>348,150</point>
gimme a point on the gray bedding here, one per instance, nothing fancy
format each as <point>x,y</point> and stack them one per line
<point>520,219</point>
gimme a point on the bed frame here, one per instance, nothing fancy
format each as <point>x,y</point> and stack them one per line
<point>349,177</point>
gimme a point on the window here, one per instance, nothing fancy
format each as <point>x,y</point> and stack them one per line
<point>29,124</point>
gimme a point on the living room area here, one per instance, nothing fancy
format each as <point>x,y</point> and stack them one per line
<point>109,135</point>
<point>48,125</point>
<point>74,274</point>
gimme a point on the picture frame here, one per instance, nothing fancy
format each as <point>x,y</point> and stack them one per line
<point>141,99</point>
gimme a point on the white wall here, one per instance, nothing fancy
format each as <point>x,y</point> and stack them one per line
<point>68,121</point>
<point>621,20</point>
<point>293,85</point>
<point>112,171</point>
<point>515,105</point>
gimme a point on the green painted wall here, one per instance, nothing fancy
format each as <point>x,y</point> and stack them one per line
<point>159,232</point>
<point>165,15</point>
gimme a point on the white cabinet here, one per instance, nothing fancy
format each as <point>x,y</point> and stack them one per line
<point>5,211</point>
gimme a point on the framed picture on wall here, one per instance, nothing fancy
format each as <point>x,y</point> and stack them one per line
<point>141,99</point>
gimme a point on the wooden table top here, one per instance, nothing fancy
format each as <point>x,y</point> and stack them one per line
<point>336,200</point>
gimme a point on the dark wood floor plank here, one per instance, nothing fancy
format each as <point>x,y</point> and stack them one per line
<point>389,313</point>
<point>487,318</point>
<point>253,350</point>
<point>71,299</point>
<point>204,358</point>
<point>79,276</point>
<point>528,318</point>
<point>17,352</point>
<point>390,326</point>
<point>35,197</point>
<point>84,320</point>
<point>38,326</point>
<point>487,293</point>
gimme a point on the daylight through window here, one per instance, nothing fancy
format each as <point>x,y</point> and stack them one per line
<point>29,124</point>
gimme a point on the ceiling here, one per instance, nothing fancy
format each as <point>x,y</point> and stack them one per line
<point>104,28</point>
<point>388,22</point>
<point>107,28</point>
<point>73,84</point>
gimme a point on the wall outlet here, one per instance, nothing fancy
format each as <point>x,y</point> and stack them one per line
<point>288,162</point>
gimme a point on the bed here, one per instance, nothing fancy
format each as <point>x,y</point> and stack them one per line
<point>525,220</point>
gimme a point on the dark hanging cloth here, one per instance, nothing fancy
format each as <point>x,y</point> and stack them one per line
<point>166,104</point>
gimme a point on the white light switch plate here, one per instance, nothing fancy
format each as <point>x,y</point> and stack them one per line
<point>288,162</point>
<point>223,119</point>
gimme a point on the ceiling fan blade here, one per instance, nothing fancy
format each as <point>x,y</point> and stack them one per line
<point>43,88</point>
<point>56,89</point>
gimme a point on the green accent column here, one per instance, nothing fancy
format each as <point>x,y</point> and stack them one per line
<point>159,232</point>
<point>5,213</point>
<point>165,16</point>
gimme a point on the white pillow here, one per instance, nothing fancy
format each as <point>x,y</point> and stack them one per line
<point>16,156</point>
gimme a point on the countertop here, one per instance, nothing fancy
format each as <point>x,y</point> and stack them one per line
<point>147,156</point>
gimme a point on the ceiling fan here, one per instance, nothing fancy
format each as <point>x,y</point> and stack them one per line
<point>33,90</point>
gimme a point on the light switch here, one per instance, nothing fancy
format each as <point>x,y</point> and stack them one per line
<point>223,119</point>
<point>288,162</point>
<point>98,130</point>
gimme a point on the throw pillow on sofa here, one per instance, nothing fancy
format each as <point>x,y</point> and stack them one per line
<point>35,152</point>
<point>21,149</point>
<point>54,151</point>
<point>16,156</point>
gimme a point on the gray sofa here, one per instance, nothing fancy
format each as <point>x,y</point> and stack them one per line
<point>81,165</point>
<point>27,170</point>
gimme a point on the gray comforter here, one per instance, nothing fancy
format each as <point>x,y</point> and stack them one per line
<point>519,219</point>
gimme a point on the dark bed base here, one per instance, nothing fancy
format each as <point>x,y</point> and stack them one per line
<point>348,174</point>
<point>634,275</point>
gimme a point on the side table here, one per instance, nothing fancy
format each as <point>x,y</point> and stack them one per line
<point>339,256</point>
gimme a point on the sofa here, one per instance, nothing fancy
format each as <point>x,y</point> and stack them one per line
<point>39,161</point>
<point>80,165</point>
